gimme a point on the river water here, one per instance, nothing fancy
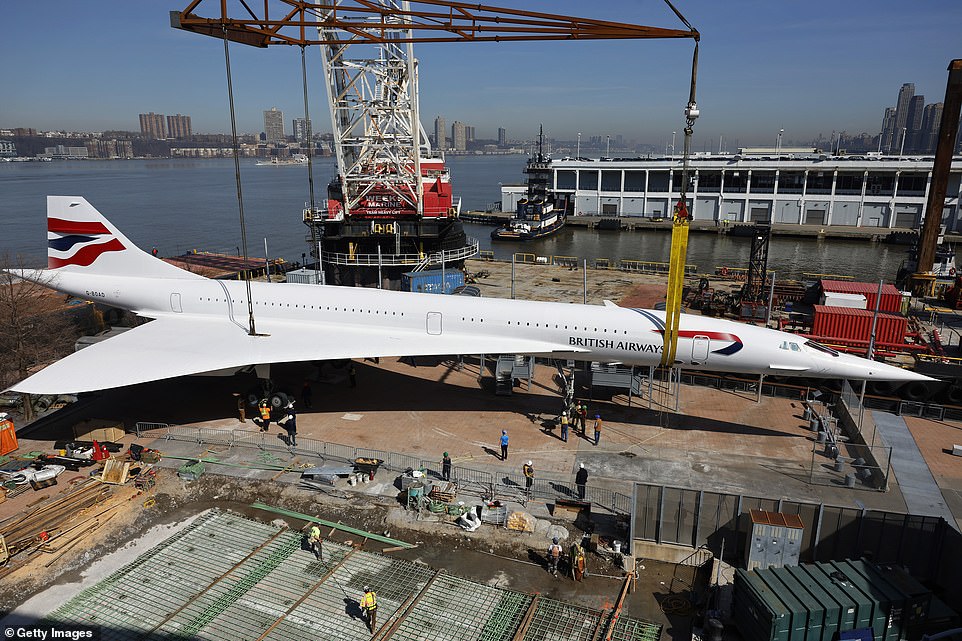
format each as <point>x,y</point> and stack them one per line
<point>183,204</point>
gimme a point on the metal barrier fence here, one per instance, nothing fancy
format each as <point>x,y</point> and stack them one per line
<point>486,483</point>
<point>695,518</point>
<point>566,261</point>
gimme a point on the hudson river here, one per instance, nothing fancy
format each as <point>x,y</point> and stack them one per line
<point>179,205</point>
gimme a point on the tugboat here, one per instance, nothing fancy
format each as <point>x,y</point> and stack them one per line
<point>536,216</point>
<point>943,267</point>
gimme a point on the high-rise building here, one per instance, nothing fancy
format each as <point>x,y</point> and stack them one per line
<point>178,126</point>
<point>931,121</point>
<point>459,139</point>
<point>469,133</point>
<point>152,126</point>
<point>906,93</point>
<point>913,122</point>
<point>440,134</point>
<point>502,137</point>
<point>302,129</point>
<point>274,125</point>
<point>888,126</point>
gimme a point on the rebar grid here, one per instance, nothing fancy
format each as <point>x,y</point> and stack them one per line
<point>631,629</point>
<point>233,589</point>
<point>273,598</point>
<point>136,599</point>
<point>227,577</point>
<point>454,608</point>
<point>333,609</point>
<point>557,621</point>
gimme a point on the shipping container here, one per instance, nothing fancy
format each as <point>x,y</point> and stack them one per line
<point>830,607</point>
<point>823,601</point>
<point>758,613</point>
<point>434,281</point>
<point>887,602</point>
<point>817,613</point>
<point>799,628</point>
<point>891,296</point>
<point>835,299</point>
<point>856,324</point>
<point>847,607</point>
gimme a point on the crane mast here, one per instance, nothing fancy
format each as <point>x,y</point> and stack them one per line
<point>373,100</point>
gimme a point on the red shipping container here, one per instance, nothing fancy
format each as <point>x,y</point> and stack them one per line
<point>856,324</point>
<point>891,296</point>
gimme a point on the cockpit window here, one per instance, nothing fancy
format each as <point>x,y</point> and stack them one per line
<point>790,346</point>
<point>821,348</point>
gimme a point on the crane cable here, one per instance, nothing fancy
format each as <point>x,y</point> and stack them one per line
<point>310,170</point>
<point>237,178</point>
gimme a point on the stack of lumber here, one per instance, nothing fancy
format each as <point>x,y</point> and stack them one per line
<point>53,517</point>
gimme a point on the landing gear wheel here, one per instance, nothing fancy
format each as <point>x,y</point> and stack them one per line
<point>279,400</point>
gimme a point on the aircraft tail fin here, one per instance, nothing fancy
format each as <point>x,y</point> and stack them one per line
<point>81,239</point>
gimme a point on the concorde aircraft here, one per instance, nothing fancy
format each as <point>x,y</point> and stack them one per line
<point>200,325</point>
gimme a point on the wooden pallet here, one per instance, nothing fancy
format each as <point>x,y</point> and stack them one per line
<point>445,493</point>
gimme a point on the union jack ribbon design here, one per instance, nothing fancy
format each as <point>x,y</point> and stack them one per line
<point>78,243</point>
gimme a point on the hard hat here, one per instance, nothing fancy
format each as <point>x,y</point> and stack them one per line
<point>597,415</point>
<point>367,589</point>
<point>530,463</point>
<point>504,431</point>
<point>582,466</point>
<point>445,453</point>
<point>565,413</point>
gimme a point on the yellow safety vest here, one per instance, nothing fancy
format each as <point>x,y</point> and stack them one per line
<point>265,411</point>
<point>369,601</point>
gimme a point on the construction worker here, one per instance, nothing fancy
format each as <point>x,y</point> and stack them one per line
<point>528,470</point>
<point>577,562</point>
<point>369,607</point>
<point>241,407</point>
<point>504,445</point>
<point>264,407</point>
<point>314,539</point>
<point>583,416</point>
<point>564,426</point>
<point>581,480</point>
<point>554,556</point>
<point>290,424</point>
<point>446,467</point>
<point>598,425</point>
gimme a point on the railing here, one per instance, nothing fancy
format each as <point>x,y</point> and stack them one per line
<point>649,267</point>
<point>403,260</point>
<point>486,483</point>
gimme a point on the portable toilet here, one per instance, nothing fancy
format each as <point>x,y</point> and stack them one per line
<point>8,435</point>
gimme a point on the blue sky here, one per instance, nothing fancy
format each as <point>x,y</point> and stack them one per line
<point>807,67</point>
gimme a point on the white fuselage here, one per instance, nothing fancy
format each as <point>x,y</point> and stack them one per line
<point>580,332</point>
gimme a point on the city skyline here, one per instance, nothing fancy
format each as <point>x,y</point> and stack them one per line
<point>763,68</point>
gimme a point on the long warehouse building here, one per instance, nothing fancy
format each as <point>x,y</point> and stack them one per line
<point>804,189</point>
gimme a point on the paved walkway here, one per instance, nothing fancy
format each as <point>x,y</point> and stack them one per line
<point>922,494</point>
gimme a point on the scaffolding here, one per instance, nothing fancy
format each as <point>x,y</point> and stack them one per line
<point>228,577</point>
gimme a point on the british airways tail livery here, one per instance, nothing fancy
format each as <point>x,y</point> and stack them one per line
<point>200,325</point>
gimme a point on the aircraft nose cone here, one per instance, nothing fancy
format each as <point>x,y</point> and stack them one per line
<point>896,374</point>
